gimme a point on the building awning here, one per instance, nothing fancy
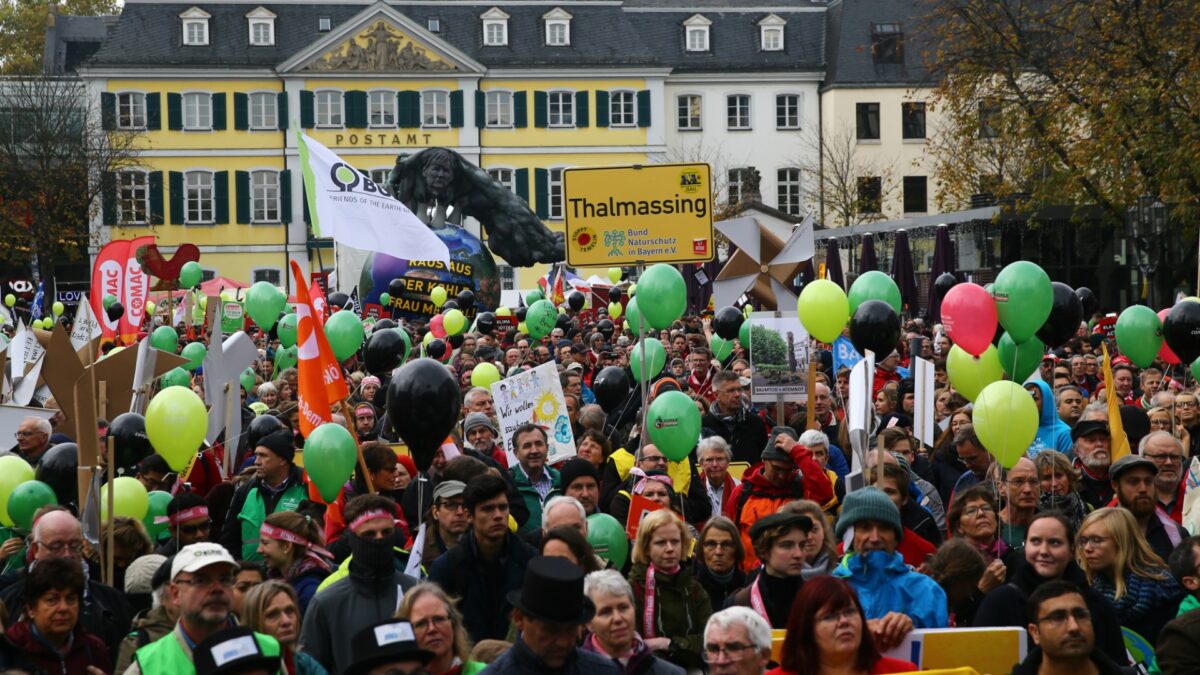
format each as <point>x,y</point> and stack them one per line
<point>914,223</point>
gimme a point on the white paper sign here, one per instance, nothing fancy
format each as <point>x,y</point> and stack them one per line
<point>924,394</point>
<point>860,409</point>
<point>86,327</point>
<point>535,396</point>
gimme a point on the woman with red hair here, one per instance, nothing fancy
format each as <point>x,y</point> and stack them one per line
<point>828,633</point>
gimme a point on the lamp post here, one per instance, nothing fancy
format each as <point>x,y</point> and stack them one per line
<point>1147,224</point>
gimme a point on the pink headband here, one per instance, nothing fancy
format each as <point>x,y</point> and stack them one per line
<point>369,515</point>
<point>641,484</point>
<point>272,532</point>
<point>370,379</point>
<point>184,515</point>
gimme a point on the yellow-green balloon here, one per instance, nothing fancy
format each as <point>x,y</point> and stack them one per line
<point>614,274</point>
<point>1006,420</point>
<point>970,374</point>
<point>130,498</point>
<point>176,423</point>
<point>484,375</point>
<point>13,472</point>
<point>438,296</point>
<point>57,308</point>
<point>503,311</point>
<point>824,309</point>
<point>454,322</point>
<point>615,309</point>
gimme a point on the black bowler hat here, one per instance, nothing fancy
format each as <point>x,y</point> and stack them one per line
<point>553,592</point>
<point>236,650</point>
<point>385,642</point>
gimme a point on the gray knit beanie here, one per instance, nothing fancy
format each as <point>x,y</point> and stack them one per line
<point>868,504</point>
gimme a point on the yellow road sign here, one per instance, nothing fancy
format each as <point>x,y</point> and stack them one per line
<point>654,213</point>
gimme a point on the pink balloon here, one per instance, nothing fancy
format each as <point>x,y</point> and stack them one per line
<point>969,317</point>
<point>436,327</point>
<point>1165,352</point>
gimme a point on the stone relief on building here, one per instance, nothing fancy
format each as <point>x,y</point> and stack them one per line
<point>380,48</point>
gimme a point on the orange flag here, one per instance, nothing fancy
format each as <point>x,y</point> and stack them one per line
<point>319,378</point>
<point>1120,442</point>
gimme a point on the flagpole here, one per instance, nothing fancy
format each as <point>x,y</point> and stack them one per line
<point>362,462</point>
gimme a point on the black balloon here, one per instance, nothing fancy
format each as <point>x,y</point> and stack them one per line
<point>58,470</point>
<point>338,299</point>
<point>485,323</point>
<point>575,301</point>
<point>520,313</point>
<point>436,349</point>
<point>943,284</point>
<point>1181,329</point>
<point>115,311</point>
<point>396,287</point>
<point>614,295</point>
<point>456,341</point>
<point>727,322</point>
<point>610,386</point>
<point>605,326</point>
<point>384,324</point>
<point>1065,316</point>
<point>261,426</point>
<point>423,402</point>
<point>449,305</point>
<point>875,326</point>
<point>1088,299</point>
<point>466,299</point>
<point>384,350</point>
<point>128,432</point>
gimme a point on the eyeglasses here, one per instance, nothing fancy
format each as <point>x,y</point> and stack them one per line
<point>1165,458</point>
<point>1185,404</point>
<point>1059,616</point>
<point>1096,540</point>
<point>26,434</point>
<point>60,547</point>
<point>655,460</point>
<point>973,511</point>
<point>734,651</point>
<point>201,582</point>
<point>431,622</point>
<point>452,506</point>
<point>848,613</point>
<point>195,529</point>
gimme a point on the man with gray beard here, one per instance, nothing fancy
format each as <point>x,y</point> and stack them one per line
<point>1093,455</point>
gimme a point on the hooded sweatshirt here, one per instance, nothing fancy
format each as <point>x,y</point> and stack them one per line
<point>1052,433</point>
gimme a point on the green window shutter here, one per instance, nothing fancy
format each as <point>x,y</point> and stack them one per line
<point>480,109</point>
<point>174,112</point>
<point>108,197</point>
<point>304,205</point>
<point>520,110</point>
<point>523,184</point>
<point>281,112</point>
<point>308,109</point>
<point>156,197</point>
<point>153,111</point>
<point>602,109</point>
<point>408,109</point>
<point>108,111</point>
<point>241,112</point>
<point>175,179</point>
<point>285,196</point>
<point>541,109</point>
<point>218,112</point>
<point>221,196</point>
<point>456,109</point>
<point>541,192</point>
<point>356,109</point>
<point>581,109</point>
<point>241,186</point>
<point>643,108</point>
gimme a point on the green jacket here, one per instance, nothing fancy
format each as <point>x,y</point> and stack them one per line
<point>533,501</point>
<point>170,655</point>
<point>254,512</point>
<point>682,607</point>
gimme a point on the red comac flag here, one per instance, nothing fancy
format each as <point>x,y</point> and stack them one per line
<point>319,377</point>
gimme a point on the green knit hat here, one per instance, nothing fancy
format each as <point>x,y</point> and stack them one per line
<point>869,504</point>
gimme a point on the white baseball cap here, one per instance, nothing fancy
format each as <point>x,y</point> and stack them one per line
<point>195,557</point>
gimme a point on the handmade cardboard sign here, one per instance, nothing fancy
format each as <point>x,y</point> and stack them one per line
<point>223,366</point>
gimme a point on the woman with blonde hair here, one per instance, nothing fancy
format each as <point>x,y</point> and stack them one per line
<point>672,607</point>
<point>272,608</point>
<point>1120,565</point>
<point>439,629</point>
<point>1060,487</point>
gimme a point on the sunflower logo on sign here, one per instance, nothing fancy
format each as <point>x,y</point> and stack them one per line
<point>584,238</point>
<point>546,410</point>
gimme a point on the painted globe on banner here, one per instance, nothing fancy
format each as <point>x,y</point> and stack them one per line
<point>471,268</point>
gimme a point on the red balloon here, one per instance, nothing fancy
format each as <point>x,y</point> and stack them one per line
<point>1165,353</point>
<point>969,317</point>
<point>436,327</point>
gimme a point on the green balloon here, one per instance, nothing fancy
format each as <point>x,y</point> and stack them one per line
<point>1196,369</point>
<point>1139,334</point>
<point>656,358</point>
<point>663,294</point>
<point>970,374</point>
<point>721,348</point>
<point>285,358</point>
<point>824,309</point>
<point>190,274</point>
<point>156,509</point>
<point>287,330</point>
<point>106,302</point>
<point>176,377</point>
<point>407,343</point>
<point>533,296</point>
<point>26,499</point>
<point>875,285</point>
<point>385,299</point>
<point>674,425</point>
<point>247,380</point>
<point>329,458</point>
<point>264,302</point>
<point>744,334</point>
<point>633,315</point>
<point>345,333</point>
<point>194,352</point>
<point>540,319</point>
<point>165,338</point>
<point>1020,360</point>
<point>608,539</point>
<point>1024,298</point>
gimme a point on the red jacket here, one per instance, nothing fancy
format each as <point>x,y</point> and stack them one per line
<point>86,650</point>
<point>883,666</point>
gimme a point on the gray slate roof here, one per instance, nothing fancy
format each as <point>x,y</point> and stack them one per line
<point>848,55</point>
<point>71,40</point>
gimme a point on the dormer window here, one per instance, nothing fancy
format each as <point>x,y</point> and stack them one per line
<point>495,27</point>
<point>771,33</point>
<point>324,24</point>
<point>558,28</point>
<point>195,27</point>
<point>695,32</point>
<point>262,27</point>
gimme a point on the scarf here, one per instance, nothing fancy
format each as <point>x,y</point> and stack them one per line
<point>818,568</point>
<point>373,559</point>
<point>1142,595</point>
<point>992,551</point>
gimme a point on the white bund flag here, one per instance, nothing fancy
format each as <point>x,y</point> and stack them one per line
<point>350,208</point>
